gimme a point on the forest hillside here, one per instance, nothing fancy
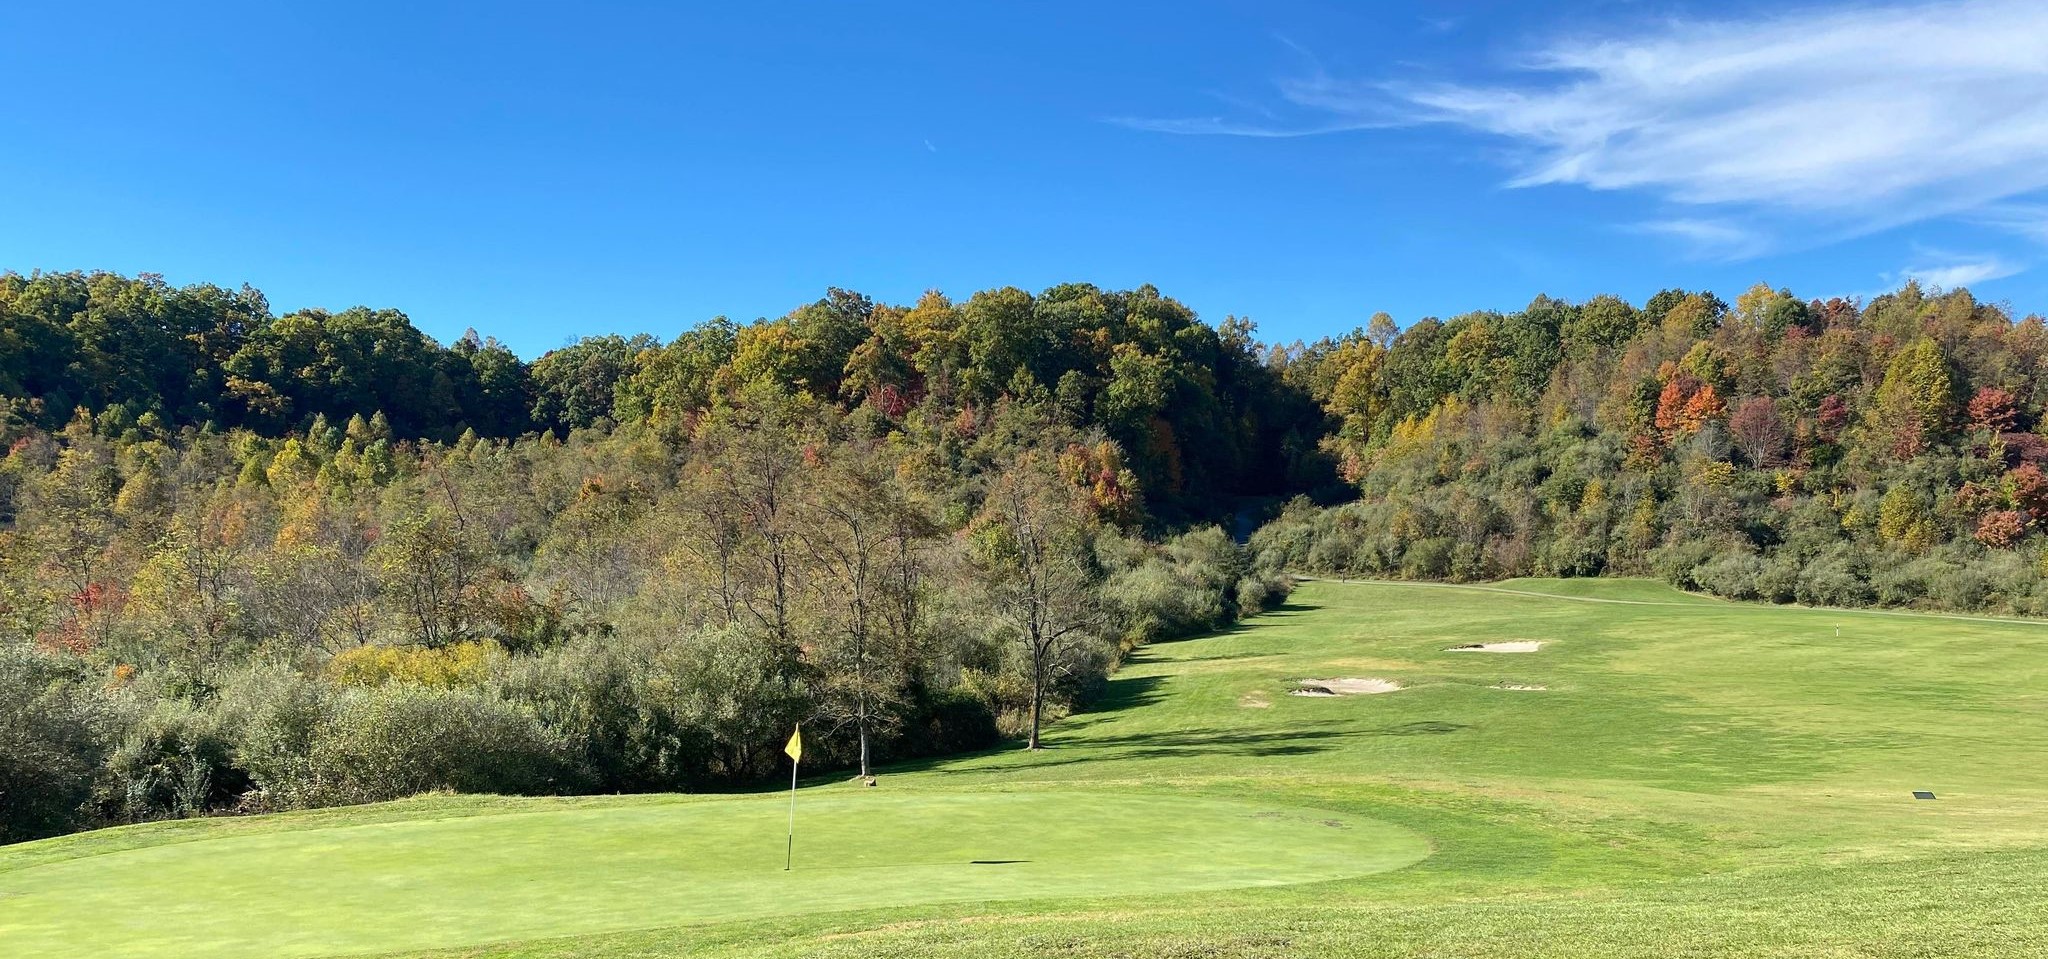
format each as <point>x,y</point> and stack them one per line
<point>252,561</point>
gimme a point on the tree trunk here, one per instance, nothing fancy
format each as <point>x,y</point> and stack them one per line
<point>1037,697</point>
<point>861,706</point>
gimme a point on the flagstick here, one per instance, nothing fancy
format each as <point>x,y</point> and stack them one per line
<point>789,850</point>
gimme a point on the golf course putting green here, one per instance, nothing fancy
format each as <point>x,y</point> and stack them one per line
<point>424,883</point>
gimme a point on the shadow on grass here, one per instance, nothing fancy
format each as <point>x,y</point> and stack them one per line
<point>1185,743</point>
<point>1264,619</point>
<point>1126,692</point>
<point>1222,657</point>
<point>1424,728</point>
<point>1178,744</point>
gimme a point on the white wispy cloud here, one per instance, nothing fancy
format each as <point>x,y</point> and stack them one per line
<point>1308,104</point>
<point>1950,271</point>
<point>1888,112</point>
<point>1710,238</point>
<point>2029,220</point>
<point>1850,118</point>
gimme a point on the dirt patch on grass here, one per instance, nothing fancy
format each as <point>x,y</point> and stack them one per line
<point>1521,687</point>
<point>1344,687</point>
<point>1511,646</point>
<point>1256,699</point>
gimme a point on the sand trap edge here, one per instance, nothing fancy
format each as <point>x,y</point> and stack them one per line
<point>1344,687</point>
<point>1511,646</point>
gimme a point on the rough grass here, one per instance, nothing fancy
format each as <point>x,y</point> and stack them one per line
<point>1699,779</point>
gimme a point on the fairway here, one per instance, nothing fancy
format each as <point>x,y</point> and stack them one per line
<point>1663,775</point>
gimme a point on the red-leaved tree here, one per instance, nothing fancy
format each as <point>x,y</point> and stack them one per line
<point>2002,529</point>
<point>1994,410</point>
<point>1757,430</point>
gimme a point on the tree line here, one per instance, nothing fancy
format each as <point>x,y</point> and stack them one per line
<point>1828,452</point>
<point>1198,415</point>
<point>198,621</point>
<point>254,562</point>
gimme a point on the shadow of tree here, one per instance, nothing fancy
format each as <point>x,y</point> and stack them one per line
<point>1119,694</point>
<point>1177,744</point>
<point>1422,728</point>
<point>1262,620</point>
<point>1125,692</point>
<point>1224,657</point>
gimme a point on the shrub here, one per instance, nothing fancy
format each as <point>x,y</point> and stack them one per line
<point>1900,585</point>
<point>2013,580</point>
<point>1340,548</point>
<point>950,722</point>
<point>1152,604</point>
<point>52,739</point>
<point>398,740</point>
<point>1778,581</point>
<point>594,695</point>
<point>1960,587</point>
<point>1284,543</point>
<point>1676,561</point>
<point>1195,582</point>
<point>1574,556</point>
<point>176,760</point>
<point>273,715</point>
<point>461,664</point>
<point>1835,579</point>
<point>1428,558</point>
<point>1262,590</point>
<point>733,695</point>
<point>1468,561</point>
<point>1733,574</point>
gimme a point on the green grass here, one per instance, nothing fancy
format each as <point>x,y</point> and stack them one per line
<point>1698,779</point>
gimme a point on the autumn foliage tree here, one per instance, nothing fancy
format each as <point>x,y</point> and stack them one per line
<point>1029,541</point>
<point>1916,399</point>
<point>321,557</point>
<point>1994,410</point>
<point>1758,431</point>
<point>1830,452</point>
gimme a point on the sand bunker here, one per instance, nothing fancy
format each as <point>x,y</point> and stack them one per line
<point>1520,687</point>
<point>1344,687</point>
<point>1515,646</point>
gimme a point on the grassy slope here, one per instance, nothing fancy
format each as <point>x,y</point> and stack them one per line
<point>1700,778</point>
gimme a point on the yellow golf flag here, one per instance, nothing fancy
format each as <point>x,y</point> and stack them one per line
<point>795,749</point>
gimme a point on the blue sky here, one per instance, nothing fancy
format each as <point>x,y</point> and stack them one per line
<point>543,172</point>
